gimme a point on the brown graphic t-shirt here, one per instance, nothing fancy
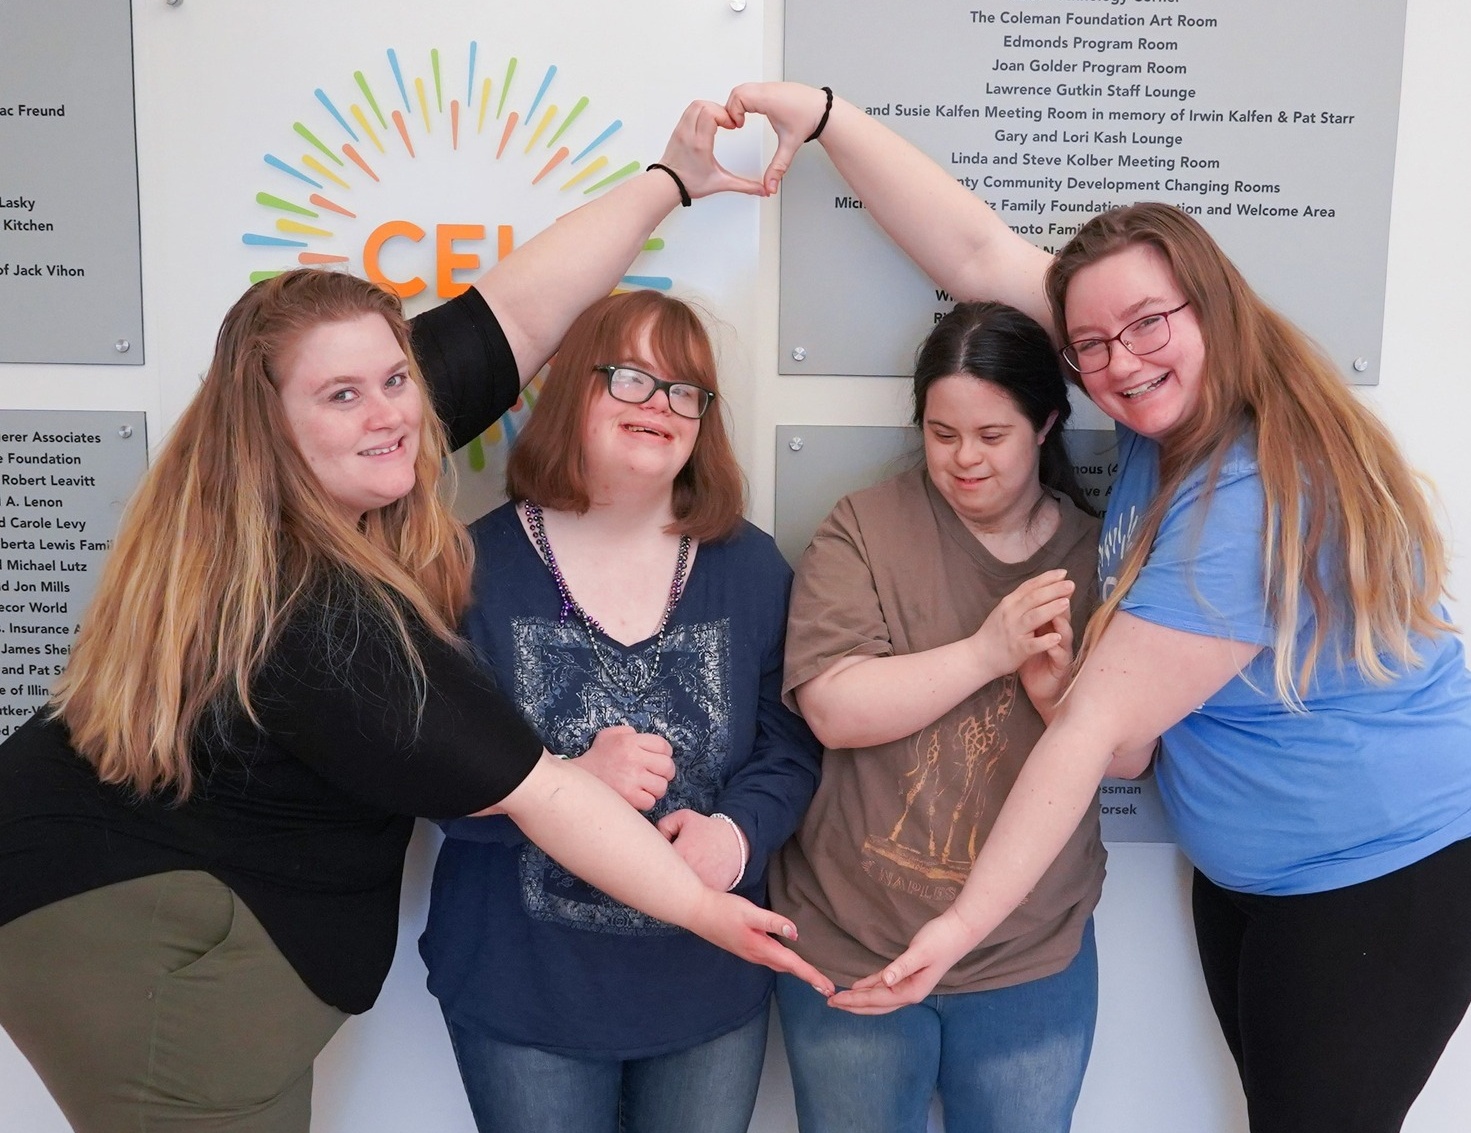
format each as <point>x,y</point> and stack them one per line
<point>891,835</point>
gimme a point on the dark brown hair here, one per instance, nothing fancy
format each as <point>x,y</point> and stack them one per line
<point>546,463</point>
<point>994,343</point>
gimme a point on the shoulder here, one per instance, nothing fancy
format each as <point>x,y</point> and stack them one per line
<point>895,496</point>
<point>496,525</point>
<point>887,506</point>
<point>748,549</point>
<point>467,363</point>
<point>1232,477</point>
<point>465,314</point>
<point>1076,529</point>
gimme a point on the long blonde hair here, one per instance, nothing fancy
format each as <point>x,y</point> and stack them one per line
<point>1343,508</point>
<point>227,534</point>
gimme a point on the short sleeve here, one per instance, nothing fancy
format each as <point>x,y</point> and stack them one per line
<point>835,609</point>
<point>1204,572</point>
<point>338,695</point>
<point>470,368</point>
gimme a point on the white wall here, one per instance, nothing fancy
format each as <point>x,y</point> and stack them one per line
<point>216,82</point>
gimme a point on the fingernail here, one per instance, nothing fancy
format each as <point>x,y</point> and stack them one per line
<point>789,931</point>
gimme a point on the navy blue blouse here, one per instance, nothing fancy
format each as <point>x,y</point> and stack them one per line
<point>517,946</point>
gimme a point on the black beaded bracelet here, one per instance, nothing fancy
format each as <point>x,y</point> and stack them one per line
<point>684,194</point>
<point>822,122</point>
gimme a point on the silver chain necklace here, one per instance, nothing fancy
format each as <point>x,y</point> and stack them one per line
<point>604,654</point>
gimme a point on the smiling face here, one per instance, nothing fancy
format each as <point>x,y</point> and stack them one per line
<point>646,443</point>
<point>1151,394</point>
<point>354,410</point>
<point>982,453</point>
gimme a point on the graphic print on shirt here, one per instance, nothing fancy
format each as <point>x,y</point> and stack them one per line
<point>565,694</point>
<point>1112,547</point>
<point>938,831</point>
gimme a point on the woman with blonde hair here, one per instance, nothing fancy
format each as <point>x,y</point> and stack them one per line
<point>1272,580</point>
<point>637,621</point>
<point>202,836</point>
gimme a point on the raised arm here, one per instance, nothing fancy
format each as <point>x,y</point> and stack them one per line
<point>587,828</point>
<point>540,288</point>
<point>1140,680</point>
<point>953,235</point>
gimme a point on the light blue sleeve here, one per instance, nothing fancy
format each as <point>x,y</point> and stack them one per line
<point>1204,573</point>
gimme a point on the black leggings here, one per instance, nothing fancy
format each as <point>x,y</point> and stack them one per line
<point>1337,1005</point>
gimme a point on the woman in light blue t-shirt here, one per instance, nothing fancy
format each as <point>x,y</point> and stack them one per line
<point>1272,579</point>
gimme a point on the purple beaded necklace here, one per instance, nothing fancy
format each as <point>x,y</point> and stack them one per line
<point>594,628</point>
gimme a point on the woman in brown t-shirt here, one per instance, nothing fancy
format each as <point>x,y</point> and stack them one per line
<point>931,629</point>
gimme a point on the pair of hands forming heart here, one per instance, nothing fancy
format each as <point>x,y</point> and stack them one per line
<point>793,111</point>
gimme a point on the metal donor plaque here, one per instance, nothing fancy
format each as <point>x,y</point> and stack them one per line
<point>816,465</point>
<point>1274,124</point>
<point>64,480</point>
<point>70,271</point>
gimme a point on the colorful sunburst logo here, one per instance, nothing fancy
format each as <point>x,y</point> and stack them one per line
<point>395,142</point>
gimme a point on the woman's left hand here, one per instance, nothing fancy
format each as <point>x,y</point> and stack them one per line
<point>747,931</point>
<point>935,949</point>
<point>691,153</point>
<point>707,845</point>
<point>1045,675</point>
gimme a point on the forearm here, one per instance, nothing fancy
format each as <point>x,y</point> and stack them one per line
<point>881,699</point>
<point>538,291</point>
<point>953,235</point>
<point>1057,785</point>
<point>587,828</point>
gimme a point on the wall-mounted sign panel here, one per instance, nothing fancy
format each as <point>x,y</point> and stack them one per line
<point>1274,124</point>
<point>817,465</point>
<point>64,480</point>
<point>70,283</point>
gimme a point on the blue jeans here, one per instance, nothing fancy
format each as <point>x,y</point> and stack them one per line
<point>709,1088</point>
<point>1004,1061</point>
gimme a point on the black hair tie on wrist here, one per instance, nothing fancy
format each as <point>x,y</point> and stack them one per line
<point>822,122</point>
<point>684,194</point>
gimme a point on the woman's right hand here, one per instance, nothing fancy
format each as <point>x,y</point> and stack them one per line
<point>1020,626</point>
<point>793,109</point>
<point>691,153</point>
<point>638,765</point>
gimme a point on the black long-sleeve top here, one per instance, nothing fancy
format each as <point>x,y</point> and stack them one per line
<point>308,816</point>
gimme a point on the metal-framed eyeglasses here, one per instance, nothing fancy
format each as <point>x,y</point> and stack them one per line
<point>1144,335</point>
<point>633,386</point>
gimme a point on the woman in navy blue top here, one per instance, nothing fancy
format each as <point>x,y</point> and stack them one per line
<point>202,835</point>
<point>637,622</point>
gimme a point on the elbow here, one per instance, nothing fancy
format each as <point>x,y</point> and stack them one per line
<point>1133,762</point>
<point>831,731</point>
<point>823,718</point>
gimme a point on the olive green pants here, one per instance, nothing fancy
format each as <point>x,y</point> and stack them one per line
<point>160,1005</point>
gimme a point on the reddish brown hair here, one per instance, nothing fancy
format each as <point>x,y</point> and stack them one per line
<point>546,464</point>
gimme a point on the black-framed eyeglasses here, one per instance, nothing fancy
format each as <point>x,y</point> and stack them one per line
<point>636,387</point>
<point>1144,335</point>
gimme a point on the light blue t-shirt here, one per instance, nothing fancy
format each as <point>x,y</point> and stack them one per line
<point>1371,778</point>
